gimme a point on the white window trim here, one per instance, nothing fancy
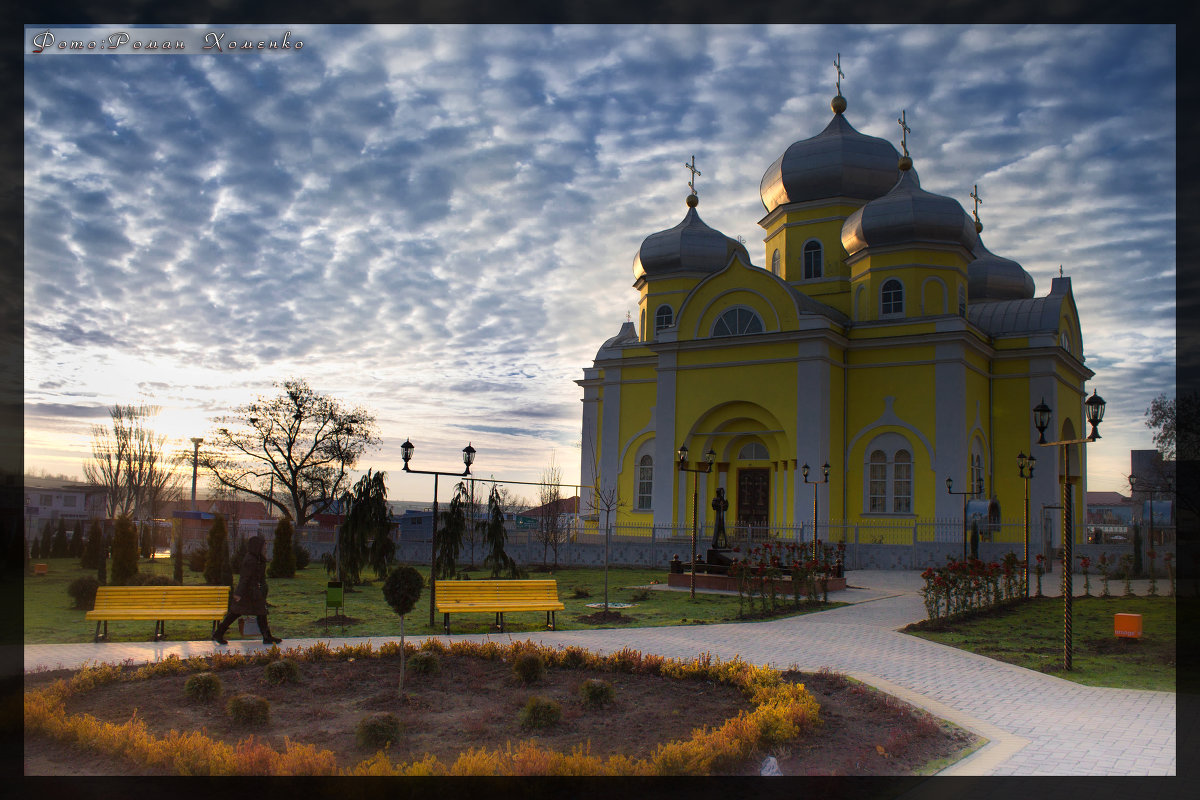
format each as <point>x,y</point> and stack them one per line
<point>820,260</point>
<point>714,335</point>
<point>670,314</point>
<point>889,444</point>
<point>892,314</point>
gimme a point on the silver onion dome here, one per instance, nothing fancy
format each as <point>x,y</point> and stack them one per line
<point>691,246</point>
<point>837,162</point>
<point>991,277</point>
<point>908,214</point>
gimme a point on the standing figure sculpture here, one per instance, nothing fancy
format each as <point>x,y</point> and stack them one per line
<point>720,506</point>
<point>250,596</point>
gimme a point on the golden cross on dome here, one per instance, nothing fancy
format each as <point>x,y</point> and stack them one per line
<point>978,200</point>
<point>906,130</point>
<point>629,316</point>
<point>841,74</point>
<point>694,171</point>
<point>1060,270</point>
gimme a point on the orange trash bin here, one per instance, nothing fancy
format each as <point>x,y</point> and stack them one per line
<point>1128,626</point>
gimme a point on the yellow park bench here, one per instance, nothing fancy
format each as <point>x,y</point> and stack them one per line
<point>159,603</point>
<point>497,597</point>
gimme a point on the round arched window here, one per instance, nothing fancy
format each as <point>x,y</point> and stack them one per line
<point>812,259</point>
<point>664,317</point>
<point>738,322</point>
<point>775,262</point>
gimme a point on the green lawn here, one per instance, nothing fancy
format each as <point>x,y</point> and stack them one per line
<point>298,606</point>
<point>1031,635</point>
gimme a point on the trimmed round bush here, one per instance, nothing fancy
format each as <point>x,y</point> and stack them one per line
<point>248,709</point>
<point>540,713</point>
<point>137,579</point>
<point>573,657</point>
<point>378,730</point>
<point>425,663</point>
<point>197,558</point>
<point>281,672</point>
<point>158,580</point>
<point>202,687</point>
<point>596,693</point>
<point>303,558</point>
<point>83,590</point>
<point>529,666</point>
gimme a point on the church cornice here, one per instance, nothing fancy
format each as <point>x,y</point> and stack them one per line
<point>826,202</point>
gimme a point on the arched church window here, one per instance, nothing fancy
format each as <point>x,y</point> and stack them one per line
<point>902,482</point>
<point>812,259</point>
<point>753,451</point>
<point>962,302</point>
<point>775,262</point>
<point>892,297</point>
<point>738,322</point>
<point>877,490</point>
<point>645,486</point>
<point>889,475</point>
<point>1064,339</point>
<point>977,475</point>
<point>664,317</point>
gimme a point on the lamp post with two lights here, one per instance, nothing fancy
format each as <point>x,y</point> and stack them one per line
<point>406,451</point>
<point>815,484</point>
<point>709,458</point>
<point>1094,409</point>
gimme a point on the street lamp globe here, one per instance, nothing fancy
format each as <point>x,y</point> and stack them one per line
<point>468,456</point>
<point>406,451</point>
<point>683,454</point>
<point>1041,419</point>
<point>1095,413</point>
<point>710,456</point>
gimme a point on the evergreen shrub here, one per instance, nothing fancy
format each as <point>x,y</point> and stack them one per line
<point>378,730</point>
<point>283,557</point>
<point>83,590</point>
<point>248,709</point>
<point>202,686</point>
<point>596,693</point>
<point>529,666</point>
<point>540,713</point>
<point>425,663</point>
<point>303,557</point>
<point>278,673</point>
<point>124,553</point>
<point>197,558</point>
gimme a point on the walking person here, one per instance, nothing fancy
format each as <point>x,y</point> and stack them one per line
<point>250,596</point>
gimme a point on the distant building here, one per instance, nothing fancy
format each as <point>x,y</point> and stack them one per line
<point>51,499</point>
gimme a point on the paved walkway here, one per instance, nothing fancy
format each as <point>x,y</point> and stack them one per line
<point>1036,724</point>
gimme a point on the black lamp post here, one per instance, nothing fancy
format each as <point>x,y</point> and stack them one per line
<point>709,458</point>
<point>406,451</point>
<point>815,484</point>
<point>196,442</point>
<point>1094,408</point>
<point>965,495</point>
<point>1024,462</point>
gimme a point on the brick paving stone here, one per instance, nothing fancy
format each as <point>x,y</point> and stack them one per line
<point>1038,724</point>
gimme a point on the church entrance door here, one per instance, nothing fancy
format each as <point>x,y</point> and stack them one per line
<point>752,502</point>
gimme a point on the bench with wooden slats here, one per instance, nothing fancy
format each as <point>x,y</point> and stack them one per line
<point>159,603</point>
<point>497,597</point>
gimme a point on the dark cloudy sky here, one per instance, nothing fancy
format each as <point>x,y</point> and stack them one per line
<point>438,223</point>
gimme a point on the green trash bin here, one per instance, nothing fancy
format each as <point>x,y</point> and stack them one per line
<point>333,599</point>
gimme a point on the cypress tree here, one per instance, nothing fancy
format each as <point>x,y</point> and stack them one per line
<point>94,547</point>
<point>59,545</point>
<point>124,551</point>
<point>47,538</point>
<point>35,549</point>
<point>216,565</point>
<point>283,557</point>
<point>177,553</point>
<point>75,548</point>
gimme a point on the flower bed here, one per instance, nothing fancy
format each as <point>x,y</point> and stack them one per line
<point>968,585</point>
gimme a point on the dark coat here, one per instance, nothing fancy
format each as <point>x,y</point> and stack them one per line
<point>250,596</point>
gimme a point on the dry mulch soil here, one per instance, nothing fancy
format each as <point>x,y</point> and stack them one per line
<point>474,703</point>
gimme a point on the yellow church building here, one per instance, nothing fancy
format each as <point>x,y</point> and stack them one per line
<point>882,339</point>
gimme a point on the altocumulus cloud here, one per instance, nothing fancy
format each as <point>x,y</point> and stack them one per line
<point>439,222</point>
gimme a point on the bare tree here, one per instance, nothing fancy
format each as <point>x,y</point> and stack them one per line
<point>605,497</point>
<point>307,442</point>
<point>550,528</point>
<point>133,465</point>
